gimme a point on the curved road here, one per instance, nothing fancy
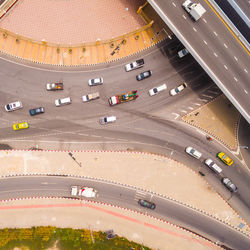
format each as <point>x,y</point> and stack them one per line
<point>43,186</point>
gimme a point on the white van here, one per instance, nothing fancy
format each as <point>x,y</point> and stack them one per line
<point>64,101</point>
<point>213,166</point>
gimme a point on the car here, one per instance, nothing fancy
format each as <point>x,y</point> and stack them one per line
<point>183,53</point>
<point>224,158</point>
<point>178,89</point>
<point>228,183</point>
<point>13,106</point>
<point>155,90</point>
<point>19,126</point>
<point>54,86</point>
<point>134,65</point>
<point>95,81</point>
<point>144,75</point>
<point>107,119</point>
<point>87,192</point>
<point>147,204</point>
<point>213,166</point>
<point>36,111</point>
<point>193,152</point>
<point>63,101</point>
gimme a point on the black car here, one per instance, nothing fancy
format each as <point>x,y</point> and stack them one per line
<point>36,111</point>
<point>146,204</point>
<point>144,75</point>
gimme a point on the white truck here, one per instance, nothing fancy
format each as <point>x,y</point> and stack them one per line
<point>89,97</point>
<point>195,10</point>
<point>134,65</point>
<point>83,191</point>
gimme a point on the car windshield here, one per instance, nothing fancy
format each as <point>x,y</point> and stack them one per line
<point>8,106</point>
<point>177,90</point>
<point>155,90</point>
<point>224,157</point>
<point>192,151</point>
<point>105,119</point>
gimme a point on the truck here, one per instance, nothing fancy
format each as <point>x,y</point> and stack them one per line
<point>134,65</point>
<point>131,95</point>
<point>195,10</point>
<point>90,97</point>
<point>54,86</point>
<point>83,191</point>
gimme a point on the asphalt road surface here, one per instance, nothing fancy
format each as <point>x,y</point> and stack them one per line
<point>38,186</point>
<point>76,126</point>
<point>217,47</point>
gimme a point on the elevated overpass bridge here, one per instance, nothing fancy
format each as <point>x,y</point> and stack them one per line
<point>215,47</point>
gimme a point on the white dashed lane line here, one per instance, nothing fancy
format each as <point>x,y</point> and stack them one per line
<point>215,54</point>
<point>174,4</point>
<point>235,58</point>
<point>184,16</point>
<point>225,66</point>
<point>245,70</point>
<point>205,42</point>
<point>245,91</point>
<point>204,20</point>
<point>209,96</point>
<point>225,45</point>
<point>215,33</point>
<point>197,104</point>
<point>194,29</point>
<point>235,79</point>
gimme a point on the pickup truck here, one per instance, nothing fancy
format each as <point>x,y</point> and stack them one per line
<point>195,10</point>
<point>90,97</point>
<point>84,191</point>
<point>54,86</point>
<point>131,95</point>
<point>134,65</point>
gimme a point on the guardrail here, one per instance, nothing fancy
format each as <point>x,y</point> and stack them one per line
<point>230,24</point>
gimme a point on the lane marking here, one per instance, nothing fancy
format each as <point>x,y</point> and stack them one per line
<point>235,79</point>
<point>235,58</point>
<point>191,108</point>
<point>225,45</point>
<point>205,42</point>
<point>184,16</point>
<point>198,104</point>
<point>194,29</point>
<point>225,66</point>
<point>207,96</point>
<point>215,33</point>
<point>227,27</point>
<point>204,20</point>
<point>174,4</point>
<point>183,111</point>
<point>176,115</point>
<point>245,70</point>
<point>245,91</point>
<point>215,54</point>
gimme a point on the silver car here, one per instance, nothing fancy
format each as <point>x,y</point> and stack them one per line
<point>96,81</point>
<point>228,183</point>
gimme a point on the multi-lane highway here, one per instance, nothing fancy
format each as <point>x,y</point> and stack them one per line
<point>123,196</point>
<point>217,50</point>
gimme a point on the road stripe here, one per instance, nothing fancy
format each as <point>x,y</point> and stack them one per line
<point>227,27</point>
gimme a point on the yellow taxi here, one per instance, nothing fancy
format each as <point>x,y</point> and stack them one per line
<point>223,157</point>
<point>22,125</point>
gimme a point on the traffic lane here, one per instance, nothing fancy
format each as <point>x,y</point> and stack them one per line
<point>206,225</point>
<point>169,210</point>
<point>186,29</point>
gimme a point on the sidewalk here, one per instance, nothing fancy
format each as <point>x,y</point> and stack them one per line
<point>77,43</point>
<point>160,175</point>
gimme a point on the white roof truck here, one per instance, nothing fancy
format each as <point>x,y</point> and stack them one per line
<point>195,10</point>
<point>83,191</point>
<point>134,65</point>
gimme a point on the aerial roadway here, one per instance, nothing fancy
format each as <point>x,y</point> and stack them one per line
<point>214,46</point>
<point>124,196</point>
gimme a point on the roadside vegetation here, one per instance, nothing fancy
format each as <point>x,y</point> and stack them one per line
<point>37,238</point>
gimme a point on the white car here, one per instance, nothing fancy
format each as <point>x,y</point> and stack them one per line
<point>178,89</point>
<point>155,90</point>
<point>183,53</point>
<point>74,190</point>
<point>96,81</point>
<point>87,192</point>
<point>193,152</point>
<point>13,106</point>
<point>63,101</point>
<point>213,166</point>
<point>107,119</point>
